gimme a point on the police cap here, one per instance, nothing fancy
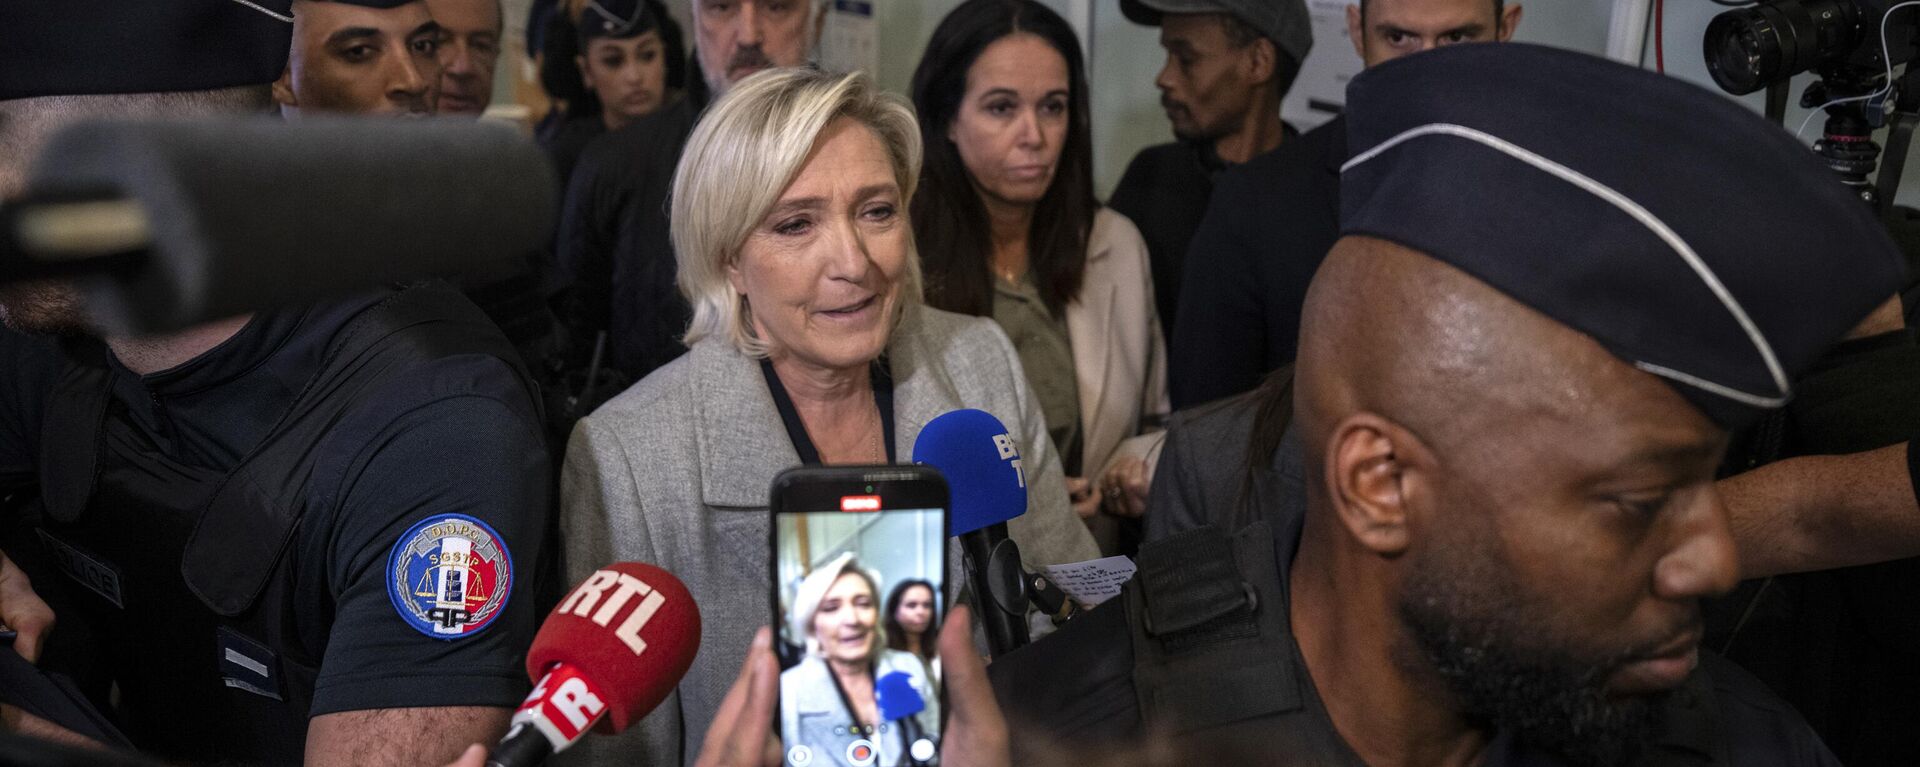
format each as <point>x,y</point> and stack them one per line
<point>1688,236</point>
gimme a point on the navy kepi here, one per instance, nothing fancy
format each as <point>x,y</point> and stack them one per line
<point>1684,233</point>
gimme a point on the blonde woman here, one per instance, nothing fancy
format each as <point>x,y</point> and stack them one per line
<point>808,344</point>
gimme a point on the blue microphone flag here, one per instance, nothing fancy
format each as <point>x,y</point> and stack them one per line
<point>982,465</point>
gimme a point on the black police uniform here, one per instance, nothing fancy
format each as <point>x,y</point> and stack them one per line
<point>220,540</point>
<point>1164,192</point>
<point>615,250</point>
<point>1481,158</point>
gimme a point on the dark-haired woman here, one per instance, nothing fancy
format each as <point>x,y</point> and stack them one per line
<point>611,62</point>
<point>913,621</point>
<point>1008,227</point>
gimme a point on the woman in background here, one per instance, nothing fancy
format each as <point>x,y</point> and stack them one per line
<point>611,62</point>
<point>913,621</point>
<point>1008,228</point>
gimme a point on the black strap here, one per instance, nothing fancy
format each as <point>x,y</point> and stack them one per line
<point>882,379</point>
<point>909,726</point>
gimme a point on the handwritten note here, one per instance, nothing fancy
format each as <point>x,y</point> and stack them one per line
<point>1093,581</point>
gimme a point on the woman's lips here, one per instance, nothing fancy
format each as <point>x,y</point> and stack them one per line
<point>853,311</point>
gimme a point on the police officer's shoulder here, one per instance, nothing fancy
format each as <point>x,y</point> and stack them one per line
<point>1756,726</point>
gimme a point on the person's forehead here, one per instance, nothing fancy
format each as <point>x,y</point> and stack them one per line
<point>1435,13</point>
<point>848,156</point>
<point>323,18</point>
<point>1022,62</point>
<point>466,16</point>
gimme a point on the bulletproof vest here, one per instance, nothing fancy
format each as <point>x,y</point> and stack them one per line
<point>1196,651</point>
<point>189,574</point>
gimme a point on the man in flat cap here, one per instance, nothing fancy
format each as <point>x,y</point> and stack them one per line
<point>1486,532</point>
<point>1229,63</point>
<point>1271,220</point>
<point>361,57</point>
<point>229,528</point>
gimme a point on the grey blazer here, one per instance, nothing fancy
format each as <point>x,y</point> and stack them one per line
<point>810,707</point>
<point>675,472</point>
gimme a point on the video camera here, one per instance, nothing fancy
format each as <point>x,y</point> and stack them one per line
<point>1752,47</point>
<point>1853,45</point>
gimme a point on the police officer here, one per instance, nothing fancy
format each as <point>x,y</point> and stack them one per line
<point>302,533</point>
<point>1488,531</point>
<point>361,57</point>
<point>614,255</point>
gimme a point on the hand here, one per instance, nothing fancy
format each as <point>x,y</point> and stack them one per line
<point>23,611</point>
<point>474,756</point>
<point>1084,495</point>
<point>1126,484</point>
<point>976,735</point>
<point>742,731</point>
<point>14,720</point>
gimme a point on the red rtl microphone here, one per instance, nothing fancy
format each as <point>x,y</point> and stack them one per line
<point>608,654</point>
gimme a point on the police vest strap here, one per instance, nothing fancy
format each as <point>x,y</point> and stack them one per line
<point>233,549</point>
<point>1193,590</point>
<point>70,440</point>
<point>1210,639</point>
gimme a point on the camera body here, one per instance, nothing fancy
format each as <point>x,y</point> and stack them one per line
<point>1749,48</point>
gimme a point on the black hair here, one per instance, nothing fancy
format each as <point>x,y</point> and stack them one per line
<point>949,221</point>
<point>1286,68</point>
<point>897,636</point>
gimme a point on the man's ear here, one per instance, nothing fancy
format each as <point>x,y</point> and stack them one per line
<point>1262,61</point>
<point>1356,31</point>
<point>1509,21</point>
<point>283,89</point>
<point>1368,480</point>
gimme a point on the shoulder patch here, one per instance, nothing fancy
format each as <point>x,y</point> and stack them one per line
<point>450,576</point>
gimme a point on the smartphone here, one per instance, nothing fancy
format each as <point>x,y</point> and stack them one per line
<point>859,564</point>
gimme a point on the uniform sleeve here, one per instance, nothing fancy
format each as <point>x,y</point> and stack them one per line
<point>1219,336</point>
<point>602,521</point>
<point>470,455</point>
<point>1049,533</point>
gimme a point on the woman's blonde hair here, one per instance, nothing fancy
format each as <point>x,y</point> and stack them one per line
<point>741,157</point>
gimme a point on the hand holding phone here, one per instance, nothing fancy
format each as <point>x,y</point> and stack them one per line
<point>859,579</point>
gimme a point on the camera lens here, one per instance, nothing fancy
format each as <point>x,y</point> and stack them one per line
<point>1748,48</point>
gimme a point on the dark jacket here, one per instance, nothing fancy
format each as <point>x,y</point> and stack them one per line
<point>615,250</point>
<point>1268,226</point>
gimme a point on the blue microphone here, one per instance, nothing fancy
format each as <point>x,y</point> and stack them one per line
<point>982,464</point>
<point>894,694</point>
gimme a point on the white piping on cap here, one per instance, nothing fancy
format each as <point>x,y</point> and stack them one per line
<point>1647,219</point>
<point>257,7</point>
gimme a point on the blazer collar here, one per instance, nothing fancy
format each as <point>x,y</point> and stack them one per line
<point>741,439</point>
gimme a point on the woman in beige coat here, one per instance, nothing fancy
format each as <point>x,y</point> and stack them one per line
<point>1008,228</point>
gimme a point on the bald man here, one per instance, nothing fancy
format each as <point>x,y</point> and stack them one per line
<point>376,57</point>
<point>1479,525</point>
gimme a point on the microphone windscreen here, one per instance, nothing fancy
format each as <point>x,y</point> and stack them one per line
<point>631,629</point>
<point>247,214</point>
<point>895,696</point>
<point>982,465</point>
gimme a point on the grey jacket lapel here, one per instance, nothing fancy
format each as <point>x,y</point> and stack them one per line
<point>742,441</point>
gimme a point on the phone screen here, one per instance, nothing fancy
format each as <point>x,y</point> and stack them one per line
<point>860,571</point>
